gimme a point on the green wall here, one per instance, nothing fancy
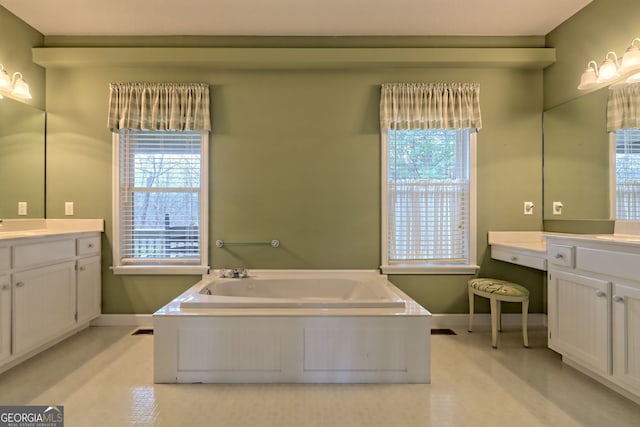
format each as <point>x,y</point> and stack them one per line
<point>295,155</point>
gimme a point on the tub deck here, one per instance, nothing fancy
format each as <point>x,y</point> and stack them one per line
<point>297,344</point>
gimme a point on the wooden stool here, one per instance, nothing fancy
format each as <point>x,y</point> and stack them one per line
<point>497,291</point>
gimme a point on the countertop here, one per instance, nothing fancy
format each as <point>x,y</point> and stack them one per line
<point>536,241</point>
<point>33,228</point>
<point>533,241</point>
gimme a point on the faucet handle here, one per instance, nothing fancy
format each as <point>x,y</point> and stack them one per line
<point>234,273</point>
<point>240,272</point>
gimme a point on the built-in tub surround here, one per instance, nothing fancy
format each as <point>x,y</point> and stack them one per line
<point>327,327</point>
<point>273,292</point>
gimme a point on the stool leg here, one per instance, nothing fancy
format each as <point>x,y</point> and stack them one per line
<point>499,304</point>
<point>525,312</point>
<point>470,310</point>
<point>494,322</point>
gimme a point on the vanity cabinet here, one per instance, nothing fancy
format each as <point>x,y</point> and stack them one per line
<point>50,287</point>
<point>44,304</point>
<point>626,335</point>
<point>527,248</point>
<point>5,317</point>
<point>579,308</point>
<point>594,309</point>
<point>88,289</point>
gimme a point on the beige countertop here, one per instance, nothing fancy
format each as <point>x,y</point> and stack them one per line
<point>32,228</point>
<point>536,241</point>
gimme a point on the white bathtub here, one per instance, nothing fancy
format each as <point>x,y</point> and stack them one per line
<point>293,326</point>
<point>303,291</point>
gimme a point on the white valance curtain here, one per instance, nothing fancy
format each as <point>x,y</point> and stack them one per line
<point>623,107</point>
<point>159,106</point>
<point>405,106</point>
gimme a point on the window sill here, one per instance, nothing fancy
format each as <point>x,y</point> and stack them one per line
<point>161,269</point>
<point>429,269</point>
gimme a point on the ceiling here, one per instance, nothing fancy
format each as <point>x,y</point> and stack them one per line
<point>294,17</point>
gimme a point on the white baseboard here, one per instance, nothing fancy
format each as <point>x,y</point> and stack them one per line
<point>439,321</point>
<point>145,320</point>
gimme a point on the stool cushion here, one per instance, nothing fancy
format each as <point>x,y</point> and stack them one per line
<point>498,287</point>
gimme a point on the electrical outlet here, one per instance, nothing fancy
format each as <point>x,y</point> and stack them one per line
<point>22,208</point>
<point>557,208</point>
<point>68,208</point>
<point>528,208</point>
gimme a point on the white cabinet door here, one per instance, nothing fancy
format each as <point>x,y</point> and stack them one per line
<point>5,317</point>
<point>626,336</point>
<point>89,289</point>
<point>44,304</point>
<point>581,308</point>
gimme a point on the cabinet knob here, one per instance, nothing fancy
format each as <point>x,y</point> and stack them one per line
<point>559,256</point>
<point>5,287</point>
<point>514,258</point>
<point>601,293</point>
<point>19,284</point>
<point>82,268</point>
<point>618,298</point>
<point>90,245</point>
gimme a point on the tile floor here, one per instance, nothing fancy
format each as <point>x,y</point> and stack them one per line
<point>103,377</point>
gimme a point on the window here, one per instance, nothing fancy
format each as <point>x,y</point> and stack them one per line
<point>160,201</point>
<point>627,174</point>
<point>429,201</point>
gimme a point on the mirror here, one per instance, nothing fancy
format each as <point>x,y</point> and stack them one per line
<point>576,158</point>
<point>22,159</point>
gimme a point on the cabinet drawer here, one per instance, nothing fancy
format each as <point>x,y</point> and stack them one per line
<point>88,245</point>
<point>613,263</point>
<point>43,252</point>
<point>516,257</point>
<point>562,255</point>
<point>5,258</point>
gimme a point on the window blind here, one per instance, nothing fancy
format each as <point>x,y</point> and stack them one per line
<point>160,197</point>
<point>628,174</point>
<point>428,196</point>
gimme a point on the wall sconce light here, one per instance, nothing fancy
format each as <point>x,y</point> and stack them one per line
<point>609,68</point>
<point>15,85</point>
<point>613,69</point>
<point>590,76</point>
<point>631,58</point>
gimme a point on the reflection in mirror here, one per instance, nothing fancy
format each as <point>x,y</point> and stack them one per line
<point>22,159</point>
<point>627,176</point>
<point>576,159</point>
<point>623,120</point>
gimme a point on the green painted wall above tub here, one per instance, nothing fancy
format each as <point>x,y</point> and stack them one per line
<point>295,156</point>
